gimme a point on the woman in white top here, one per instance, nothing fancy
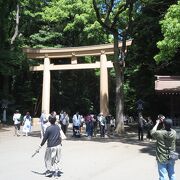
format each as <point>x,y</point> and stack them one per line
<point>27,123</point>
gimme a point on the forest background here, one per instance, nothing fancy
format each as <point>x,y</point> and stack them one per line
<point>71,23</point>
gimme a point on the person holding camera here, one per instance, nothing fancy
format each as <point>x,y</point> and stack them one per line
<point>165,141</point>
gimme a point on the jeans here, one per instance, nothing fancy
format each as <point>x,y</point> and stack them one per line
<point>89,129</point>
<point>166,170</point>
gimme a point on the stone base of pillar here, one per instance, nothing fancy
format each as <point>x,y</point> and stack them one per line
<point>35,121</point>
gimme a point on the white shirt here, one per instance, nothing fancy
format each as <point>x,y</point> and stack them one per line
<point>16,118</point>
<point>43,118</point>
<point>76,120</point>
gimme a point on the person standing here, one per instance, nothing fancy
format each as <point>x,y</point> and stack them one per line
<point>149,127</point>
<point>65,122</point>
<point>17,122</point>
<point>141,125</point>
<point>53,151</point>
<point>76,124</point>
<point>61,117</point>
<point>102,123</point>
<point>27,121</point>
<point>43,120</point>
<point>108,120</point>
<point>112,124</point>
<point>165,142</point>
<point>95,125</point>
<point>89,125</point>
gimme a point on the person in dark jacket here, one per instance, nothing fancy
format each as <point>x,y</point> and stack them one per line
<point>53,150</point>
<point>141,125</point>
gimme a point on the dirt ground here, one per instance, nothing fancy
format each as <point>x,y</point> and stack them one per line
<point>109,158</point>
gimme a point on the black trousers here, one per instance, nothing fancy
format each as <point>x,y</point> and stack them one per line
<point>140,133</point>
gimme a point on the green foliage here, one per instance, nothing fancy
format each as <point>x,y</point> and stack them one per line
<point>75,20</point>
<point>44,38</point>
<point>62,23</point>
<point>170,26</point>
<point>10,62</point>
<point>140,64</point>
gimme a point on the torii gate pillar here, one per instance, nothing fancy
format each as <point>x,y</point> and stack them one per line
<point>104,95</point>
<point>46,86</point>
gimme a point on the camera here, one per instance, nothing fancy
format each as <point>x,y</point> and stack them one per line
<point>161,117</point>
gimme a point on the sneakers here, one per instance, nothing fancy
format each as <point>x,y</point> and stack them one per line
<point>48,173</point>
<point>55,175</point>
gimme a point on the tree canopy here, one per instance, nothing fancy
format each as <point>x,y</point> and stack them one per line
<point>170,25</point>
<point>62,23</point>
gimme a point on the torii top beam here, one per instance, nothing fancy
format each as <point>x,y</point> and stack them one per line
<point>94,50</point>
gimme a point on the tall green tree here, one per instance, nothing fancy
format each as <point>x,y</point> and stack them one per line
<point>116,18</point>
<point>170,27</point>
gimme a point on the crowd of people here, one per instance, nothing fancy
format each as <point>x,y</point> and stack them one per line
<point>54,127</point>
<point>92,123</point>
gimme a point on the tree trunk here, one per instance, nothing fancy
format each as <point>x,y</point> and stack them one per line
<point>17,25</point>
<point>119,98</point>
<point>118,66</point>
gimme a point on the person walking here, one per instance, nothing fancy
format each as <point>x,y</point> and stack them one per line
<point>17,122</point>
<point>165,142</point>
<point>53,151</point>
<point>27,121</point>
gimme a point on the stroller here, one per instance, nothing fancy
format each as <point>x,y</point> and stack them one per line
<point>76,131</point>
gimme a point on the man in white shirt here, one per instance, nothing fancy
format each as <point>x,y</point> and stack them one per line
<point>76,124</point>
<point>17,122</point>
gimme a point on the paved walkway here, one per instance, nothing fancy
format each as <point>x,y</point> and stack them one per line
<point>124,158</point>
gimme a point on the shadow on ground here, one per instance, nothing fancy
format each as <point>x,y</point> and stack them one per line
<point>4,128</point>
<point>129,137</point>
<point>35,134</point>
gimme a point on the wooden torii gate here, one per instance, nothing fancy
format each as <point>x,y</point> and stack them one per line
<point>73,53</point>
